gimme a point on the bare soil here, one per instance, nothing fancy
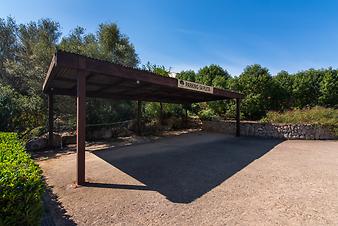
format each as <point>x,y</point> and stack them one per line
<point>201,179</point>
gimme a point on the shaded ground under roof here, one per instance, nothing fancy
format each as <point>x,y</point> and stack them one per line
<point>114,81</point>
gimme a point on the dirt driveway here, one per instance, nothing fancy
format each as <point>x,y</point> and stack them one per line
<point>202,179</point>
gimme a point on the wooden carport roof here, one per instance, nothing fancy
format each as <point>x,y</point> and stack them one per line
<point>114,81</point>
<point>80,76</point>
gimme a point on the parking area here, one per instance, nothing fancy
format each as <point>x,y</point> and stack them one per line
<point>201,179</point>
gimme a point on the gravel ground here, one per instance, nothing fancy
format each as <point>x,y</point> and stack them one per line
<point>202,179</point>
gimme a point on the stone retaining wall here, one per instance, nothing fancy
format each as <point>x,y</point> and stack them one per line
<point>287,131</point>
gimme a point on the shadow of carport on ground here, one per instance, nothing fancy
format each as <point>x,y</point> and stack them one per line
<point>184,168</point>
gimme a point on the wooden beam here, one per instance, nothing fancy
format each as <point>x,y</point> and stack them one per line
<point>161,113</point>
<point>186,115</point>
<point>85,74</point>
<point>93,66</point>
<point>50,119</point>
<point>81,128</point>
<point>70,60</point>
<point>139,116</point>
<point>238,115</point>
<point>110,86</point>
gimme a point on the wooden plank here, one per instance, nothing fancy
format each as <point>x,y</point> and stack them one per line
<point>103,67</point>
<point>50,119</point>
<point>139,116</point>
<point>81,128</point>
<point>130,75</point>
<point>238,116</point>
<point>102,89</point>
<point>50,73</point>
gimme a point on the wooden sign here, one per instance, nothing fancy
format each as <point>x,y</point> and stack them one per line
<point>195,86</point>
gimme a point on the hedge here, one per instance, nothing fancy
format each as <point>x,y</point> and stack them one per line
<point>21,184</point>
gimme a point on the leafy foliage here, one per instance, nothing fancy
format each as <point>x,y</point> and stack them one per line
<point>21,184</point>
<point>157,69</point>
<point>106,44</point>
<point>306,87</point>
<point>26,51</point>
<point>19,112</point>
<point>207,114</point>
<point>255,83</point>
<point>282,91</point>
<point>208,74</point>
<point>329,89</point>
<point>264,92</point>
<point>161,110</point>
<point>189,75</point>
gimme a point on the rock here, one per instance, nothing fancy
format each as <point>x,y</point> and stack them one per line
<point>56,139</point>
<point>38,143</point>
<point>133,125</point>
<point>125,132</point>
<point>99,133</point>
<point>287,131</point>
<point>68,139</point>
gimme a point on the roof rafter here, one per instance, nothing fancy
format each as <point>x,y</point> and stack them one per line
<point>114,81</point>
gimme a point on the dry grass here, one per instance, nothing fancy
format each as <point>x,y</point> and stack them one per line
<point>316,115</point>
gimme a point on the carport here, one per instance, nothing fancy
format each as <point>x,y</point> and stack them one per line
<point>79,76</point>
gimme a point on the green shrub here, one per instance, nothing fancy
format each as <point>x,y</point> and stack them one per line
<point>21,184</point>
<point>19,112</point>
<point>207,114</point>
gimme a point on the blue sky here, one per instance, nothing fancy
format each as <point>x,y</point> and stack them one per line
<point>287,35</point>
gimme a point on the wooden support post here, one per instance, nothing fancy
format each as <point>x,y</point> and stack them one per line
<point>238,128</point>
<point>139,116</point>
<point>185,116</point>
<point>161,113</point>
<point>50,119</point>
<point>81,128</point>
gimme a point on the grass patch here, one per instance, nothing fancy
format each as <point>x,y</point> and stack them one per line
<point>21,184</point>
<point>315,116</point>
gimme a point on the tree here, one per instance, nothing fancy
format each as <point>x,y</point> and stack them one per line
<point>281,92</point>
<point>207,74</point>
<point>255,83</point>
<point>162,71</point>
<point>25,55</point>
<point>214,75</point>
<point>8,42</point>
<point>19,112</point>
<point>106,44</point>
<point>36,44</point>
<point>329,89</point>
<point>306,87</point>
<point>115,46</point>
<point>188,75</point>
<point>26,51</point>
